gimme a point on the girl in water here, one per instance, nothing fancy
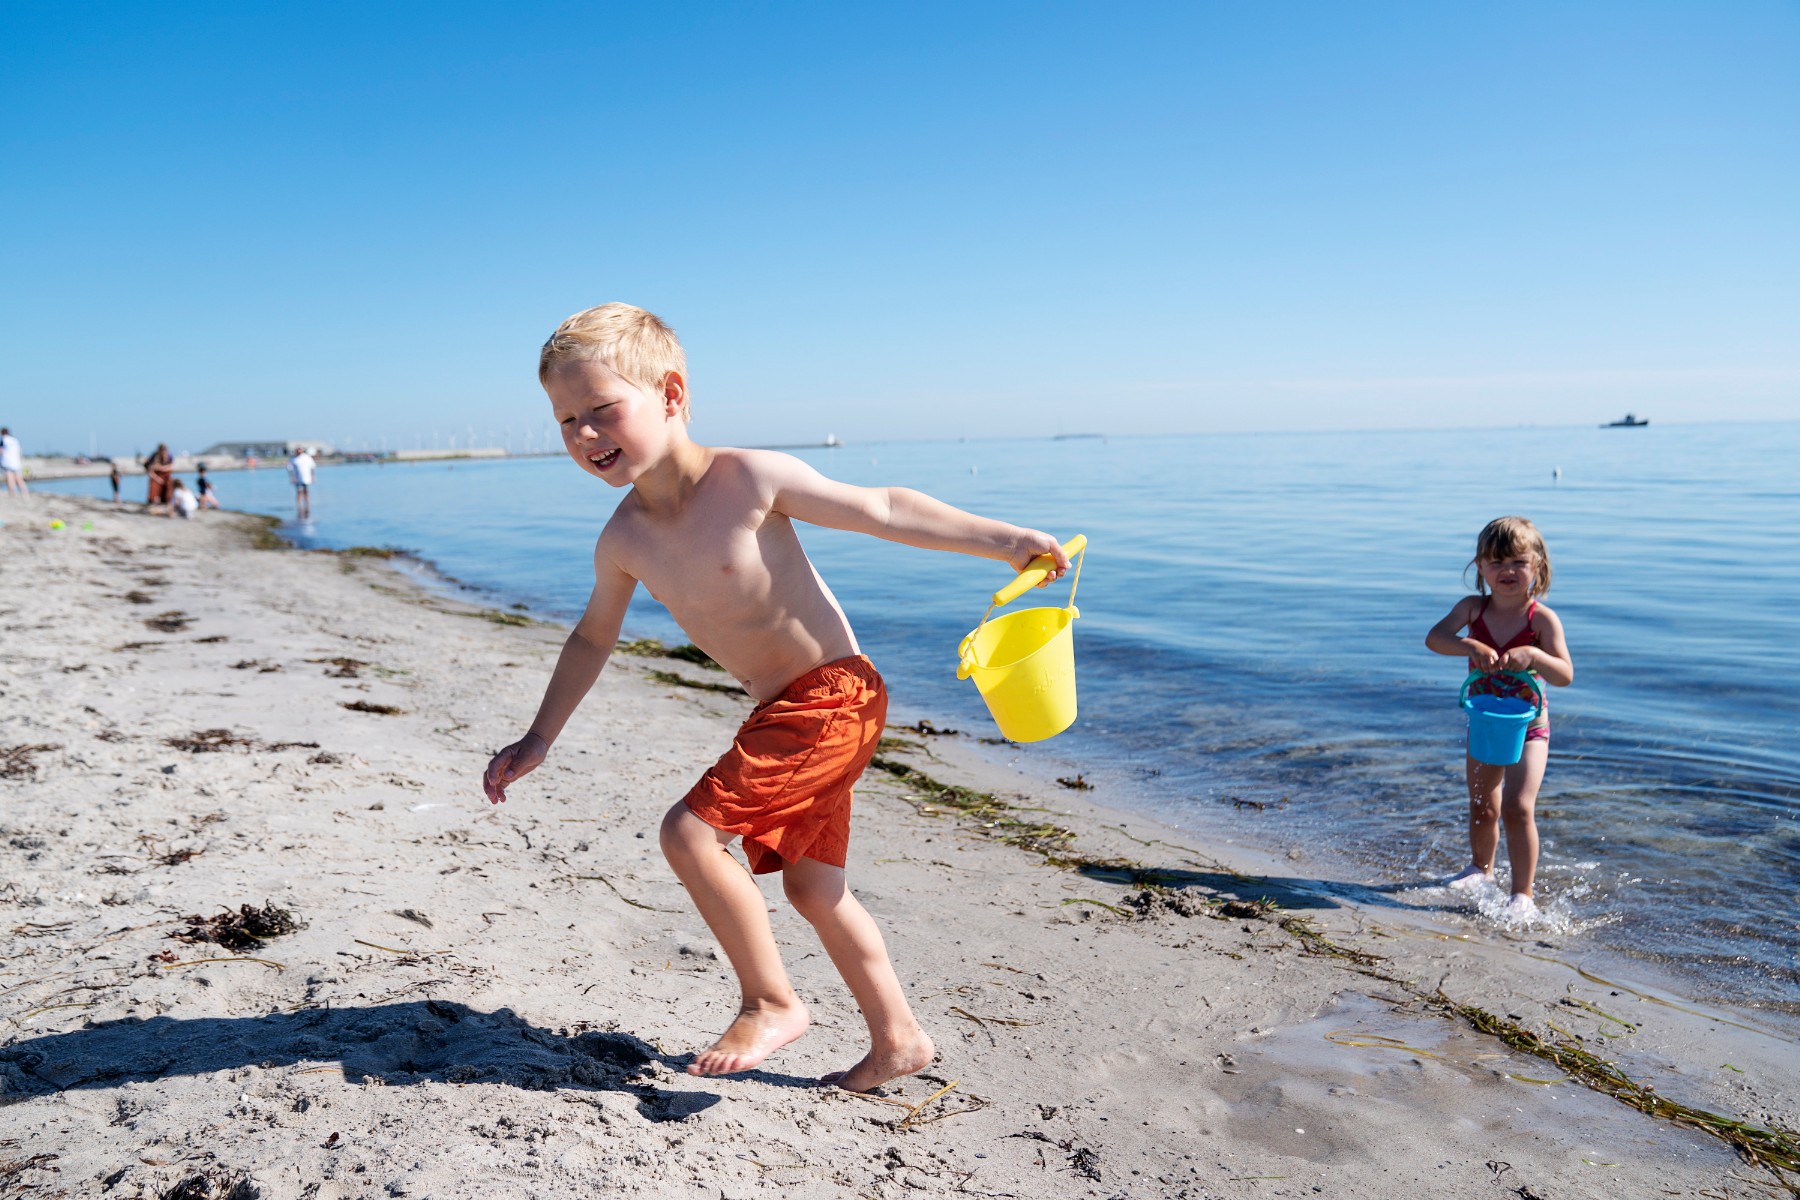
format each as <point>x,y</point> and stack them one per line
<point>1507,631</point>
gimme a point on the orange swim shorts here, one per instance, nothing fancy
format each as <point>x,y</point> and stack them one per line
<point>785,783</point>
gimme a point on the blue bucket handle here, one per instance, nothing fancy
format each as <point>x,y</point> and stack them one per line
<point>1462,698</point>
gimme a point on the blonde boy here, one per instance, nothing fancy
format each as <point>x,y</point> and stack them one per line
<point>709,531</point>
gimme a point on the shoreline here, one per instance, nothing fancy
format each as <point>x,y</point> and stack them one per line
<point>1349,877</point>
<point>557,912</point>
<point>1264,837</point>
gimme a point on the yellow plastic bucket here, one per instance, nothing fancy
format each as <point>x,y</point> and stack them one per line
<point>1023,664</point>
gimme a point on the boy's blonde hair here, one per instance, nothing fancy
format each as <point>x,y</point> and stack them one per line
<point>636,344</point>
<point>1512,537</point>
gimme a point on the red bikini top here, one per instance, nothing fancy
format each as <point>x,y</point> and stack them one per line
<point>1525,637</point>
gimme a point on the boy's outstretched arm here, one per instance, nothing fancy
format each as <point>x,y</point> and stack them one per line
<point>583,657</point>
<point>902,515</point>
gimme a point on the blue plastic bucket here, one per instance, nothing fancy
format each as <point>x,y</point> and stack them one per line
<point>1497,724</point>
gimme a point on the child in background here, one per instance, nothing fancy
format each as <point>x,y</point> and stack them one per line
<point>711,532</point>
<point>1507,630</point>
<point>116,478</point>
<point>181,501</point>
<point>204,486</point>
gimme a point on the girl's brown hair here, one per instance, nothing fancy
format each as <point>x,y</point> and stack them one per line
<point>1512,537</point>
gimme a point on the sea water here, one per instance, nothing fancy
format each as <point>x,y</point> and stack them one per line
<point>1251,648</point>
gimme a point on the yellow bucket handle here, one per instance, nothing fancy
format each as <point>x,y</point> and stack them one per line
<point>1030,577</point>
<point>1042,565</point>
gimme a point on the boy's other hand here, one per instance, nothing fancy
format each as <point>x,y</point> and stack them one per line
<point>517,759</point>
<point>1029,545</point>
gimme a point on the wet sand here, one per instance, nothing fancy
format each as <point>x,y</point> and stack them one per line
<point>499,1002</point>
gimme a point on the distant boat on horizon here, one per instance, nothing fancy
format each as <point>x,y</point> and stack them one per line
<point>1629,421</point>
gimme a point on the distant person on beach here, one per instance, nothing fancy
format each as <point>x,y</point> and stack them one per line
<point>1509,634</point>
<point>159,468</point>
<point>181,501</point>
<point>204,487</point>
<point>12,464</point>
<point>116,479</point>
<point>709,531</point>
<point>300,474</point>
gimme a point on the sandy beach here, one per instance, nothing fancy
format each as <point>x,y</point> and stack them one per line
<point>418,994</point>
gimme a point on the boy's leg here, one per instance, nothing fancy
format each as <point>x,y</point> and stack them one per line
<point>897,1046</point>
<point>770,1015</point>
<point>1518,809</point>
<point>1484,822</point>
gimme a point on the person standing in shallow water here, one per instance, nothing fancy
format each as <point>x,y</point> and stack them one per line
<point>12,464</point>
<point>1507,631</point>
<point>300,474</point>
<point>710,532</point>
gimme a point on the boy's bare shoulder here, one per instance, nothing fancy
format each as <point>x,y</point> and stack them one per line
<point>760,463</point>
<point>619,533</point>
<point>766,472</point>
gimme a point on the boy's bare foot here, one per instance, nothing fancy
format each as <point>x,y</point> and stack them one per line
<point>758,1032</point>
<point>879,1066</point>
<point>1469,878</point>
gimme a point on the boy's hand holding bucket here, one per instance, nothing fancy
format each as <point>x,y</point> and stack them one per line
<point>1023,663</point>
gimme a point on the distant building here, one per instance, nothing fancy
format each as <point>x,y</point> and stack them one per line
<point>269,449</point>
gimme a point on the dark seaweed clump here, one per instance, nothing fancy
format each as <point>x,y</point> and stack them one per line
<point>245,929</point>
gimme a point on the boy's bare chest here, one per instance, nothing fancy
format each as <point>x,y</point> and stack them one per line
<point>696,559</point>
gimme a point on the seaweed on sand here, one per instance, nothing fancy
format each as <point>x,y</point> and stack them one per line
<point>173,621</point>
<point>15,761</point>
<point>385,710</point>
<point>209,741</point>
<point>245,929</point>
<point>500,617</point>
<point>642,647</point>
<point>1082,1160</point>
<point>653,648</point>
<point>1000,820</point>
<point>1776,1149</point>
<point>213,1184</point>
<point>674,680</point>
<point>688,652</point>
<point>11,1170</point>
<point>261,530</point>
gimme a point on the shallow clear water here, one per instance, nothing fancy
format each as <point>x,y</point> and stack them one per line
<point>1253,616</point>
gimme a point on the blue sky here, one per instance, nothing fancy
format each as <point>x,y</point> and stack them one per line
<point>357,222</point>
